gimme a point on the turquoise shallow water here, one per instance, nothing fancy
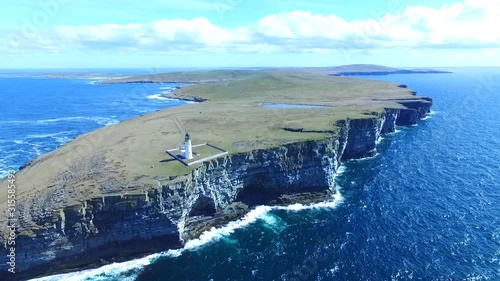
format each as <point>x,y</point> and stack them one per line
<point>427,207</point>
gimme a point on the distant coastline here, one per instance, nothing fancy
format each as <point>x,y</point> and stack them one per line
<point>371,69</point>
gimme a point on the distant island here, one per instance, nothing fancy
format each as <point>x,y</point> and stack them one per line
<point>273,137</point>
<point>373,69</point>
<point>221,75</point>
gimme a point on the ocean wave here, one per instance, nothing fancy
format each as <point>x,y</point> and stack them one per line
<point>36,149</point>
<point>53,135</point>
<point>106,121</point>
<point>4,169</point>
<point>127,271</point>
<point>157,97</point>
<point>259,213</point>
<point>161,97</point>
<point>93,78</point>
<point>366,158</point>
<point>130,270</point>
<point>273,222</point>
<point>396,131</point>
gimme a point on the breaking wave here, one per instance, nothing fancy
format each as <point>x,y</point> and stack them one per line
<point>157,97</point>
<point>105,121</point>
<point>126,271</point>
<point>130,270</point>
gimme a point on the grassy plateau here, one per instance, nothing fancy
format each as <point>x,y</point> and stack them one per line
<point>130,157</point>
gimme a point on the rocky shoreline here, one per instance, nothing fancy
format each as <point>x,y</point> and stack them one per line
<point>82,215</point>
<point>113,228</point>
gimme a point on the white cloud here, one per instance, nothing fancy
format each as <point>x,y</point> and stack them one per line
<point>467,24</point>
<point>302,25</point>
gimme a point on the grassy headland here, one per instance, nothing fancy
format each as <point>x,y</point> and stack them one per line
<point>130,157</point>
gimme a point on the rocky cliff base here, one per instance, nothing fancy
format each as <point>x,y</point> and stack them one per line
<point>111,228</point>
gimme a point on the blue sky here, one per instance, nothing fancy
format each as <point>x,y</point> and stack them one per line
<point>246,33</point>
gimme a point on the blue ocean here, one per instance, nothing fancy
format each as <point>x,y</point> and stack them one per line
<point>426,207</point>
<point>40,113</point>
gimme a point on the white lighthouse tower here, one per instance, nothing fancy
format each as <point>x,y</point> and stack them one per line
<point>188,149</point>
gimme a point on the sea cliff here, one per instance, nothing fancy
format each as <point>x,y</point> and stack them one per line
<point>116,226</point>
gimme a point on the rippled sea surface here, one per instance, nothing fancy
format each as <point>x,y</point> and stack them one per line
<point>427,207</point>
<point>39,114</point>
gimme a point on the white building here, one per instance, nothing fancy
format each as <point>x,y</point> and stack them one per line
<point>188,148</point>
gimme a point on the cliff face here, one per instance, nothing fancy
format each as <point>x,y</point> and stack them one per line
<point>179,208</point>
<point>114,226</point>
<point>359,137</point>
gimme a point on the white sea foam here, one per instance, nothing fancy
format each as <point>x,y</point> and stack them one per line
<point>16,122</point>
<point>270,220</point>
<point>260,212</point>
<point>53,135</point>
<point>37,151</point>
<point>161,97</point>
<point>131,269</point>
<point>215,234</point>
<point>62,140</point>
<point>367,158</point>
<point>142,110</point>
<point>116,271</point>
<point>33,152</point>
<point>104,120</point>
<point>100,120</point>
<point>340,170</point>
<point>157,97</point>
<point>94,78</point>
<point>395,132</point>
<point>55,120</point>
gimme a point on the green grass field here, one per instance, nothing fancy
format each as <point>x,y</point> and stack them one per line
<point>131,157</point>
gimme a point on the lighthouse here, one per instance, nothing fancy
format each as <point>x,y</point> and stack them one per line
<point>188,149</point>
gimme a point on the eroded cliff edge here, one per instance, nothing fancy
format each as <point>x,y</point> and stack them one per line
<point>179,207</point>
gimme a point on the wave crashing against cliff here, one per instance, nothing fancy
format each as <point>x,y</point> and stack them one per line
<point>184,208</point>
<point>357,139</point>
<point>130,270</point>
